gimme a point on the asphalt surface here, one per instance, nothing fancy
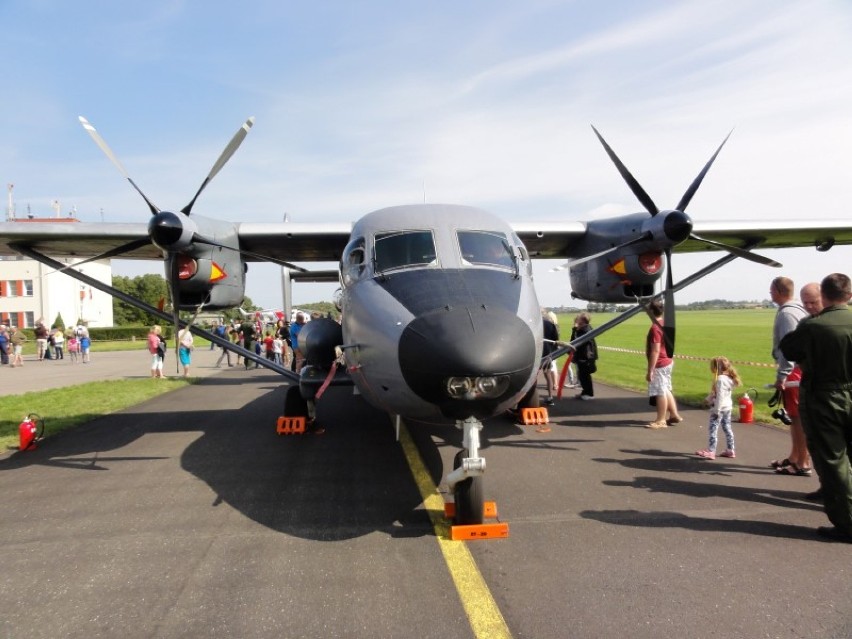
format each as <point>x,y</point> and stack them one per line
<point>188,516</point>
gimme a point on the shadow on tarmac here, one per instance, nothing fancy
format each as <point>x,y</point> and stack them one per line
<point>348,482</point>
<point>655,519</point>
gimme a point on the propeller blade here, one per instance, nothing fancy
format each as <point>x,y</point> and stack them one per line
<point>637,189</point>
<point>101,143</point>
<point>642,238</point>
<point>735,250</point>
<point>230,149</point>
<point>687,197</point>
<point>264,258</point>
<point>669,307</point>
<point>118,250</point>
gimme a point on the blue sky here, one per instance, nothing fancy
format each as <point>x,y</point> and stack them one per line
<point>362,105</point>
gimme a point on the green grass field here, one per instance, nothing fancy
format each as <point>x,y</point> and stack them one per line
<point>743,336</point>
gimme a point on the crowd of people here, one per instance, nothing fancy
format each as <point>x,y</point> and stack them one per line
<point>811,347</point>
<point>279,343</point>
<point>583,357</point>
<point>51,343</point>
<point>812,351</point>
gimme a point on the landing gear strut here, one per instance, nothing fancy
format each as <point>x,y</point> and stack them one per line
<point>466,480</point>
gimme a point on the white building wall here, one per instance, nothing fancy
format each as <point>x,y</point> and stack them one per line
<point>54,293</point>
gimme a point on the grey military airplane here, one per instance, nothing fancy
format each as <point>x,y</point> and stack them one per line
<point>440,318</point>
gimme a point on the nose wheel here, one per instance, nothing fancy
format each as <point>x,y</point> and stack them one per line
<point>466,480</point>
<point>469,495</point>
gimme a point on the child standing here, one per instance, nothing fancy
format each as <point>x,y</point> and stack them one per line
<point>73,348</point>
<point>725,377</point>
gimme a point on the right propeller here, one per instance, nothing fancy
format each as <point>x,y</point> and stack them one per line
<point>677,227</point>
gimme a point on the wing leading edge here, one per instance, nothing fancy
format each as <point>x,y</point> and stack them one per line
<point>300,242</point>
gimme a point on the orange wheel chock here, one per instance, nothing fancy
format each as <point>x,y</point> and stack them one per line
<point>291,425</point>
<point>534,416</point>
<point>497,530</point>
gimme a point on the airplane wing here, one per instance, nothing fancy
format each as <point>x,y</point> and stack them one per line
<point>298,242</point>
<point>324,242</point>
<point>771,234</point>
<point>555,239</point>
<point>77,239</point>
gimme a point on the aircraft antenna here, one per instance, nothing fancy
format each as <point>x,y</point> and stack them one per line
<point>10,207</point>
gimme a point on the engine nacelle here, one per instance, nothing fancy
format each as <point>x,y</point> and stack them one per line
<point>617,279</point>
<point>209,275</point>
<point>216,279</point>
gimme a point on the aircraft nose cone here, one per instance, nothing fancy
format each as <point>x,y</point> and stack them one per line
<point>677,226</point>
<point>466,342</point>
<point>165,229</point>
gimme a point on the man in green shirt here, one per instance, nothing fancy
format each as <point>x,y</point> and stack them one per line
<point>822,346</point>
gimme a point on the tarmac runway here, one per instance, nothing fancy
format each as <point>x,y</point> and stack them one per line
<point>188,516</point>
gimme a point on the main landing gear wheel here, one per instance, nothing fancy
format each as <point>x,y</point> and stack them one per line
<point>469,496</point>
<point>531,399</point>
<point>294,404</point>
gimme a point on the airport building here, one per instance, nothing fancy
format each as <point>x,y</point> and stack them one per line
<point>30,291</point>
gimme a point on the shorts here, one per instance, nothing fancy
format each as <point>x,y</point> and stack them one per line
<point>661,381</point>
<point>791,395</point>
<point>185,356</point>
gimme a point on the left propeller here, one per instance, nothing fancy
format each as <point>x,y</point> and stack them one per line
<point>175,232</point>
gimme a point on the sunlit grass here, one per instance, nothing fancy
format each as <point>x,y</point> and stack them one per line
<point>70,406</point>
<point>743,336</point>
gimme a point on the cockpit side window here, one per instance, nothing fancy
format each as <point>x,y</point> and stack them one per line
<point>486,248</point>
<point>353,261</point>
<point>523,254</point>
<point>403,249</point>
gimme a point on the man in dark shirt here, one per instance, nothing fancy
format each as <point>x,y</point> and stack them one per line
<point>822,346</point>
<point>249,338</point>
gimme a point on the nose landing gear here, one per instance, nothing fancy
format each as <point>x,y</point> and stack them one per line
<point>467,483</point>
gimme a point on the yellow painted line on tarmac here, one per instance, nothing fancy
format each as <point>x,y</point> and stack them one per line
<point>484,616</point>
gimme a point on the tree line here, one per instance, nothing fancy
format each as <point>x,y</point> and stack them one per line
<point>154,291</point>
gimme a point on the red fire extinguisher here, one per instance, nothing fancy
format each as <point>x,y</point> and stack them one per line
<point>30,431</point>
<point>747,407</point>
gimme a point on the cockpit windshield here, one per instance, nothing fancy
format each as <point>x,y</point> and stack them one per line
<point>403,249</point>
<point>484,247</point>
